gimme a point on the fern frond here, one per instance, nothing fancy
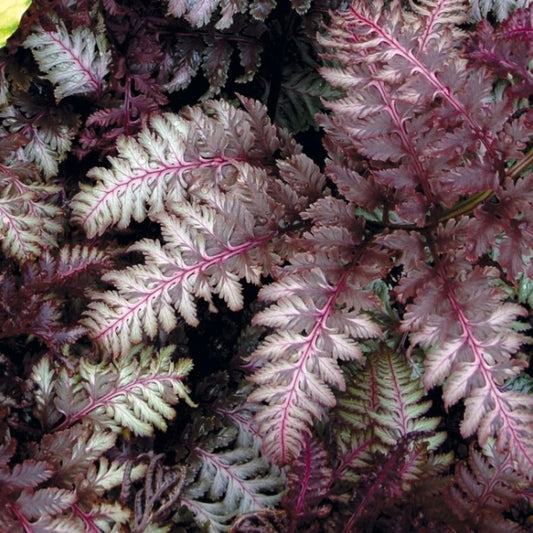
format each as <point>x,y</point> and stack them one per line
<point>93,510</point>
<point>309,485</point>
<point>220,216</point>
<point>212,517</point>
<point>382,406</point>
<point>207,252</point>
<point>228,474</point>
<point>506,50</point>
<point>43,376</point>
<point>500,8</point>
<point>230,482</point>
<point>74,62</point>
<point>169,155</point>
<point>354,431</point>
<point>401,404</point>
<point>72,264</point>
<point>474,358</point>
<point>319,319</point>
<point>85,446</point>
<point>36,297</point>
<point>29,219</point>
<point>241,417</point>
<point>103,516</point>
<point>106,475</point>
<point>200,12</point>
<point>136,391</point>
<point>410,84</point>
<point>81,471</point>
<point>25,502</point>
<point>26,475</point>
<point>49,130</point>
<point>320,313</point>
<point>300,96</point>
<point>215,56</point>
<point>438,17</point>
<point>158,497</point>
<point>51,501</point>
<point>383,124</point>
<point>387,449</point>
<point>485,489</point>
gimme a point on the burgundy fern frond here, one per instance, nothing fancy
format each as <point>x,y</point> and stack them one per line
<point>462,321</point>
<point>309,481</point>
<point>382,32</point>
<point>24,501</point>
<point>33,302</point>
<point>506,50</point>
<point>485,489</point>
<point>422,146</point>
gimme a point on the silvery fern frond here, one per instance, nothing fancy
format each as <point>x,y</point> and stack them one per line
<point>387,446</point>
<point>75,62</point>
<point>172,157</point>
<point>136,391</point>
<point>381,406</point>
<point>37,510</point>
<point>200,12</point>
<point>500,8</point>
<point>228,478</point>
<point>210,179</point>
<point>29,473</point>
<point>30,220</point>
<point>207,252</point>
<point>230,484</point>
<point>318,320</point>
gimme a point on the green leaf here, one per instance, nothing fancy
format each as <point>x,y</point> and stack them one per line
<point>10,14</point>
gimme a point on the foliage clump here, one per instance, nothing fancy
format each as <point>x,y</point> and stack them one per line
<point>266,266</point>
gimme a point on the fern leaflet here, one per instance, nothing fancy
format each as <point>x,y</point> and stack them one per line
<point>75,62</point>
